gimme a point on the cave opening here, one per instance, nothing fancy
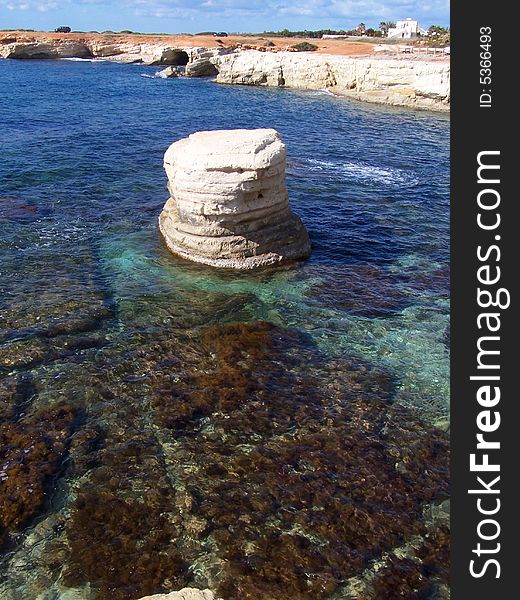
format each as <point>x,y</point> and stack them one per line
<point>176,58</point>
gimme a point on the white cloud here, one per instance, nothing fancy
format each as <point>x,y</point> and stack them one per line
<point>318,9</point>
<point>25,5</point>
<point>315,13</point>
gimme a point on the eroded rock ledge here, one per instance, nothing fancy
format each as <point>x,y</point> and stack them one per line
<point>229,204</point>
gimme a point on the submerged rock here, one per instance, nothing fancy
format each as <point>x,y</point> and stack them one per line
<point>296,464</point>
<point>13,208</point>
<point>229,205</point>
<point>169,72</point>
<point>365,290</point>
<point>234,457</point>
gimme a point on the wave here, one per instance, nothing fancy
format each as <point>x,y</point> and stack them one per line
<point>156,75</point>
<point>75,59</point>
<point>322,92</point>
<point>364,172</point>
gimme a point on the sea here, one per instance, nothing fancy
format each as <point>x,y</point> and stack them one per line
<point>279,433</point>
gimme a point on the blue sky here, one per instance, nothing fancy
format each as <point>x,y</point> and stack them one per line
<point>191,16</point>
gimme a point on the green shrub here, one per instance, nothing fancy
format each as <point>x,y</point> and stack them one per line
<point>304,47</point>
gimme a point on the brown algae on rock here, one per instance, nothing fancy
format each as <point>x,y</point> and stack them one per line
<point>32,451</point>
<point>237,457</point>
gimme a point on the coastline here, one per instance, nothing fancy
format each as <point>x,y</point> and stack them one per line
<point>352,69</point>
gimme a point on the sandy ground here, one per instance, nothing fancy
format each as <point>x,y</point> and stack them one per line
<point>327,46</point>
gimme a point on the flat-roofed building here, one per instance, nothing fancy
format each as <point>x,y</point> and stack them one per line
<point>406,29</point>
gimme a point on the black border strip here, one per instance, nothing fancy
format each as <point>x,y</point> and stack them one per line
<point>477,127</point>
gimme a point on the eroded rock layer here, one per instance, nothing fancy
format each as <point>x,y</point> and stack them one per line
<point>229,204</point>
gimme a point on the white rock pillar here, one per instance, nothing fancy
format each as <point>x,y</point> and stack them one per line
<point>229,204</point>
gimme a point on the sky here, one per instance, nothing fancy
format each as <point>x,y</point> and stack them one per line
<point>192,16</point>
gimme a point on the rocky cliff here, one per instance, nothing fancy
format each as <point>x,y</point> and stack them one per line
<point>72,49</point>
<point>125,52</point>
<point>403,82</point>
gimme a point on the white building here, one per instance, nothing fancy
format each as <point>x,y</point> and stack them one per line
<point>406,29</point>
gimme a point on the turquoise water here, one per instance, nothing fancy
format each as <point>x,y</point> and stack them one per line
<point>175,424</point>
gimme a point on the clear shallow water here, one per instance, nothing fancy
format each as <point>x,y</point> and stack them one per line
<point>127,372</point>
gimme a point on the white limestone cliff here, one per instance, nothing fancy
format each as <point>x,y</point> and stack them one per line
<point>402,82</point>
<point>34,50</point>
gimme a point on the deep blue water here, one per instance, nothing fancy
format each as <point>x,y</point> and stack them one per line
<point>86,280</point>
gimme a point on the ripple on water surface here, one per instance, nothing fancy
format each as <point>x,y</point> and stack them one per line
<point>270,434</point>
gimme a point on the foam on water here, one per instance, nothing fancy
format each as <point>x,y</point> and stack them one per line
<point>364,172</point>
<point>323,92</point>
<point>75,59</point>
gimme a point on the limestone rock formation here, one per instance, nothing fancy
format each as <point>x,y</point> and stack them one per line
<point>117,52</point>
<point>421,84</point>
<point>184,594</point>
<point>414,82</point>
<point>229,204</point>
<point>204,61</point>
<point>45,50</point>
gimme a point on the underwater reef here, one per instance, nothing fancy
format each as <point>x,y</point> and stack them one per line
<point>233,456</point>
